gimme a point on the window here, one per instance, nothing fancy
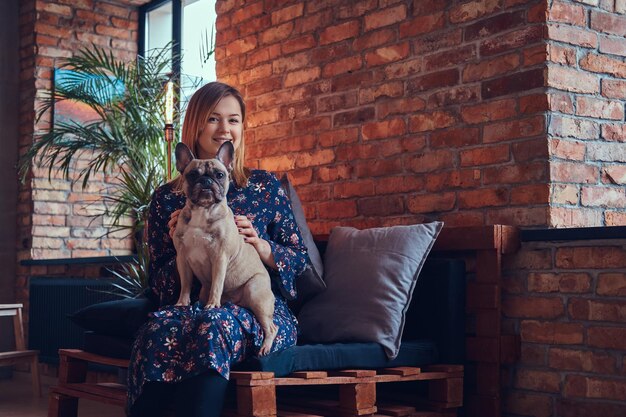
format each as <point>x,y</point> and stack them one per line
<point>189,26</point>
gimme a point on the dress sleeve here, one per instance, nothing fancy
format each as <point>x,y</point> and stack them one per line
<point>290,253</point>
<point>163,276</point>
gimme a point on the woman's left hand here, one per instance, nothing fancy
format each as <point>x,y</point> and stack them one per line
<point>262,246</point>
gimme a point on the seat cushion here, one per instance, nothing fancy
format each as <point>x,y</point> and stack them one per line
<point>105,345</point>
<point>118,318</point>
<point>315,357</point>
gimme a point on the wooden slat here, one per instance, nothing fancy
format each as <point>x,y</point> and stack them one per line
<point>8,312</point>
<point>468,238</point>
<point>60,405</point>
<point>448,391</point>
<point>488,268</point>
<point>340,380</point>
<point>396,410</point>
<point>18,354</point>
<point>444,368</point>
<point>309,374</point>
<point>358,399</point>
<point>355,373</point>
<point>402,371</point>
<point>10,306</point>
<point>510,242</point>
<point>107,394</point>
<point>250,376</point>
<point>256,401</point>
<point>92,357</point>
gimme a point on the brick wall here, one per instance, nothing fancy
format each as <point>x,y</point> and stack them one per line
<point>586,136</point>
<point>389,112</point>
<point>567,301</point>
<point>394,112</point>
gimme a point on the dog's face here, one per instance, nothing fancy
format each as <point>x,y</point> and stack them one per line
<point>205,181</point>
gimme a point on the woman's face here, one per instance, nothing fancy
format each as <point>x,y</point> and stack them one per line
<point>224,124</point>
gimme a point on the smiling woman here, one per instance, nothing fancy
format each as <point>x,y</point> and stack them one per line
<point>185,352</point>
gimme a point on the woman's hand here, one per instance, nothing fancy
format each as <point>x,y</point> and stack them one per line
<point>262,246</point>
<point>171,224</point>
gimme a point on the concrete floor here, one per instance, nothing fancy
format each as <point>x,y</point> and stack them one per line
<point>16,400</point>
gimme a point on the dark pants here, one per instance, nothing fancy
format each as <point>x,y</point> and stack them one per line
<point>199,396</point>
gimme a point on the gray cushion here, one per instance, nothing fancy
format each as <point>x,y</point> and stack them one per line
<point>370,275</point>
<point>310,282</point>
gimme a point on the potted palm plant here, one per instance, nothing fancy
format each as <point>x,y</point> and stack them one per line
<point>125,136</point>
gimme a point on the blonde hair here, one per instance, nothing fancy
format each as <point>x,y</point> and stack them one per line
<point>200,107</point>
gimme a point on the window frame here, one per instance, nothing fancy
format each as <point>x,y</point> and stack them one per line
<point>177,23</point>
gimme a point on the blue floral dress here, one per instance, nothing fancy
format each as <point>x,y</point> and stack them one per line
<point>181,342</point>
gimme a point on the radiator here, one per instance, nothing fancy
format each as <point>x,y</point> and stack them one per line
<point>51,301</point>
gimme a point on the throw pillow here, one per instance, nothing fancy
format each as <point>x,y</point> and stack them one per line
<point>118,318</point>
<point>370,275</point>
<point>310,282</point>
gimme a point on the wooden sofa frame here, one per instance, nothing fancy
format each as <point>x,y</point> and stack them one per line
<point>256,392</point>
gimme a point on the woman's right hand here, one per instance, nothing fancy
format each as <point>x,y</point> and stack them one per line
<point>172,222</point>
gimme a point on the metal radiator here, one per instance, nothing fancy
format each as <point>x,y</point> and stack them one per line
<point>52,300</point>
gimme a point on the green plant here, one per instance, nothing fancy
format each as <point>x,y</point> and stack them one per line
<point>126,134</point>
<point>125,137</point>
<point>132,278</point>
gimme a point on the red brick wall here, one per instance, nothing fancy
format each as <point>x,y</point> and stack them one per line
<point>586,69</point>
<point>567,302</point>
<point>393,112</point>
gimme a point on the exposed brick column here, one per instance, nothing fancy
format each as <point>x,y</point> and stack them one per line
<point>566,300</point>
<point>587,76</point>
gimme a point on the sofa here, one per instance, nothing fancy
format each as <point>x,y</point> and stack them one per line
<point>429,351</point>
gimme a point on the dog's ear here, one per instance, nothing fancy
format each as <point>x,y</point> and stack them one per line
<point>183,156</point>
<point>226,154</point>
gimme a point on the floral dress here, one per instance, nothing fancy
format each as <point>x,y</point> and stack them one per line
<point>181,342</point>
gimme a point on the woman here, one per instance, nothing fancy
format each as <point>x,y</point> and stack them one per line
<point>184,354</point>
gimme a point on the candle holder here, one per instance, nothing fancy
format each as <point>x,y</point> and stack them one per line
<point>169,138</point>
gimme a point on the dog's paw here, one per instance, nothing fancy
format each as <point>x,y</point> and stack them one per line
<point>183,302</point>
<point>212,304</point>
<point>268,340</point>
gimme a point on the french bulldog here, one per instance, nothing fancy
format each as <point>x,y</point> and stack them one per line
<point>209,246</point>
